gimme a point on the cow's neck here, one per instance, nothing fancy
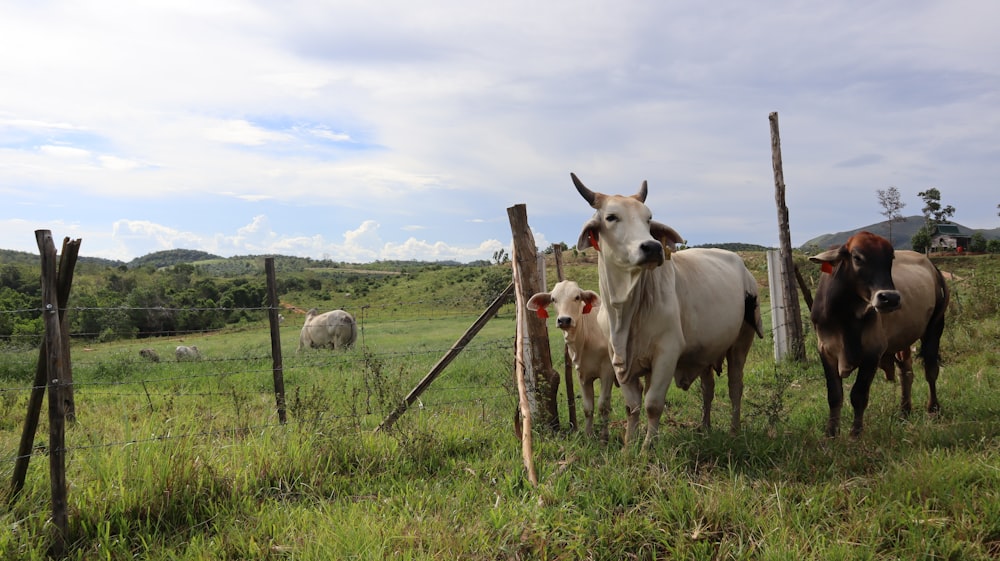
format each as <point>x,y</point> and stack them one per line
<point>623,293</point>
<point>842,303</point>
<point>853,316</point>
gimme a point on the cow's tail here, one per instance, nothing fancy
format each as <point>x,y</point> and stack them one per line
<point>751,304</point>
<point>354,334</point>
<point>751,314</point>
<point>930,343</point>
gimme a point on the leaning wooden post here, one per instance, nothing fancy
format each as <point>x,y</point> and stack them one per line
<point>277,369</point>
<point>524,406</point>
<point>793,316</point>
<point>525,260</point>
<point>67,264</point>
<point>567,361</point>
<point>55,370</point>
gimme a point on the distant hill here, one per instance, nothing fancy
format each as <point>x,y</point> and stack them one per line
<point>171,257</point>
<point>902,232</point>
<point>735,246</point>
<point>33,259</point>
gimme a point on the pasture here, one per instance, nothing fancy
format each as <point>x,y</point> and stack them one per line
<point>187,460</point>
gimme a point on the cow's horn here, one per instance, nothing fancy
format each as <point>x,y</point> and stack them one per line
<point>641,195</point>
<point>587,194</point>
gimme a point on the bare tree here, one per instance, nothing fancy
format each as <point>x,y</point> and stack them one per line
<point>891,206</point>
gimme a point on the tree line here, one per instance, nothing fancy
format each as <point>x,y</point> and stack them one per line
<point>124,301</point>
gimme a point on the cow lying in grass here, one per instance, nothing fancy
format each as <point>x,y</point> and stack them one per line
<point>184,352</point>
<point>336,329</point>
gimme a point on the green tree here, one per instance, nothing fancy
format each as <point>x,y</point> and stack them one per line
<point>921,240</point>
<point>500,257</point>
<point>934,213</point>
<point>977,243</point>
<point>17,309</point>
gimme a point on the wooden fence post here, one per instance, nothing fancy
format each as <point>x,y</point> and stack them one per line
<point>277,368</point>
<point>793,317</point>
<point>55,370</point>
<point>540,364</point>
<point>567,361</point>
<point>67,263</point>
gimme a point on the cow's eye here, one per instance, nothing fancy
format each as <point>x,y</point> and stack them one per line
<point>611,218</point>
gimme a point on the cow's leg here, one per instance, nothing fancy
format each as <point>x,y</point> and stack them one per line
<point>932,368</point>
<point>834,396</point>
<point>604,404</point>
<point>632,392</point>
<point>587,390</point>
<point>888,365</point>
<point>859,394</point>
<point>707,393</point>
<point>660,377</point>
<point>905,361</point>
<point>736,360</point>
<point>930,349</point>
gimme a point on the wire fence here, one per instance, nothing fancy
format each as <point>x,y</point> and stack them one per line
<point>230,386</point>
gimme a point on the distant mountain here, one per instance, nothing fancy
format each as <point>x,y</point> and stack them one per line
<point>171,257</point>
<point>902,232</point>
<point>735,246</point>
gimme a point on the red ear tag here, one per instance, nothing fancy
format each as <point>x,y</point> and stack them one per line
<point>593,240</point>
<point>826,267</point>
<point>587,307</point>
<point>542,313</point>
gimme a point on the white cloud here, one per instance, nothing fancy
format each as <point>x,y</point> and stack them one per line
<point>242,132</point>
<point>118,164</point>
<point>64,152</point>
<point>401,118</point>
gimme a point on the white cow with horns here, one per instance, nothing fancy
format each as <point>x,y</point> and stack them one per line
<point>672,315</point>
<point>585,331</point>
<point>336,329</point>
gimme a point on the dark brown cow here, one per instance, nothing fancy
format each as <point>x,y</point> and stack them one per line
<point>871,304</point>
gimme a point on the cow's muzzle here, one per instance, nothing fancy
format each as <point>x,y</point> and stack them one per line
<point>886,300</point>
<point>564,322</point>
<point>651,253</point>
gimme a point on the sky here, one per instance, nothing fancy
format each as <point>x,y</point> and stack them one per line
<point>373,130</point>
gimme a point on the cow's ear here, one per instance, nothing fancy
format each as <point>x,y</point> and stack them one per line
<point>665,234</point>
<point>589,236</point>
<point>538,302</point>
<point>829,258</point>
<point>590,301</point>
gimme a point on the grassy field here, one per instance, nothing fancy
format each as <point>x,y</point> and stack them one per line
<point>188,461</point>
